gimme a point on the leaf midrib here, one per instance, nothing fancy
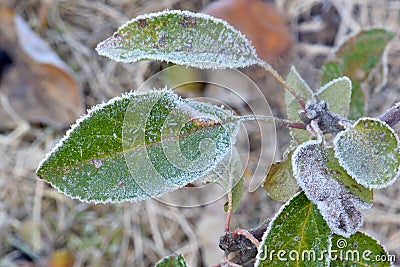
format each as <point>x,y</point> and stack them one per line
<point>120,150</point>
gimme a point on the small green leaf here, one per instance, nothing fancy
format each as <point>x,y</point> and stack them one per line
<point>357,103</point>
<point>237,194</point>
<point>359,250</point>
<point>297,236</point>
<point>229,175</point>
<point>331,70</point>
<point>280,183</point>
<point>180,37</point>
<point>172,261</point>
<point>318,178</point>
<point>369,152</point>
<point>137,146</point>
<point>295,81</point>
<point>330,92</point>
<point>357,56</point>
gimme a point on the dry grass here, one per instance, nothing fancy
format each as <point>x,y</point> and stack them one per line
<point>37,220</point>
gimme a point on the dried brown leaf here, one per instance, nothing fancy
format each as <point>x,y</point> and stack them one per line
<point>260,22</point>
<point>37,87</point>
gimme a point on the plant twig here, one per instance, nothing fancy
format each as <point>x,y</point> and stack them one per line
<point>392,115</point>
<point>229,263</point>
<point>248,235</point>
<point>279,78</point>
<point>282,122</point>
<point>229,213</point>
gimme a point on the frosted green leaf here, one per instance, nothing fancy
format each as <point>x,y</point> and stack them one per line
<point>296,236</point>
<point>237,194</point>
<point>369,152</point>
<point>229,175</point>
<point>318,178</point>
<point>280,182</point>
<point>359,250</point>
<point>339,173</point>
<point>180,37</point>
<point>134,146</point>
<point>172,261</point>
<point>337,93</point>
<point>356,58</point>
<point>295,81</point>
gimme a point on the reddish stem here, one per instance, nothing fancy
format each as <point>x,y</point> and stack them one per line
<point>229,215</point>
<point>248,235</point>
<point>392,115</point>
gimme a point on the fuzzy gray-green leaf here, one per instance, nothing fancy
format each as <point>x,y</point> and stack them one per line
<point>180,37</point>
<point>137,146</point>
<point>369,152</point>
<point>318,177</point>
<point>337,93</point>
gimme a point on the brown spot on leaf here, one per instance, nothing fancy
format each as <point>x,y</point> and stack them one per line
<point>189,22</point>
<point>121,183</point>
<point>117,35</point>
<point>204,122</point>
<point>142,23</point>
<point>161,40</point>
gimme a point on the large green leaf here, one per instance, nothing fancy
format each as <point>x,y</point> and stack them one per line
<point>280,183</point>
<point>180,37</point>
<point>337,93</point>
<point>297,236</point>
<point>137,146</point>
<point>318,177</point>
<point>295,81</point>
<point>369,152</point>
<point>360,53</point>
<point>357,56</point>
<point>359,250</point>
<point>172,261</point>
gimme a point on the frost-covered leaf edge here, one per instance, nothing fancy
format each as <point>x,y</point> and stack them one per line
<point>359,204</point>
<point>89,114</point>
<point>367,235</point>
<point>295,134</point>
<point>181,12</point>
<point>301,79</point>
<point>271,224</point>
<point>81,119</point>
<point>330,83</point>
<point>276,166</point>
<point>343,164</point>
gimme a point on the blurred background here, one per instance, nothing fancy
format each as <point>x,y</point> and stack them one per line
<point>50,74</point>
